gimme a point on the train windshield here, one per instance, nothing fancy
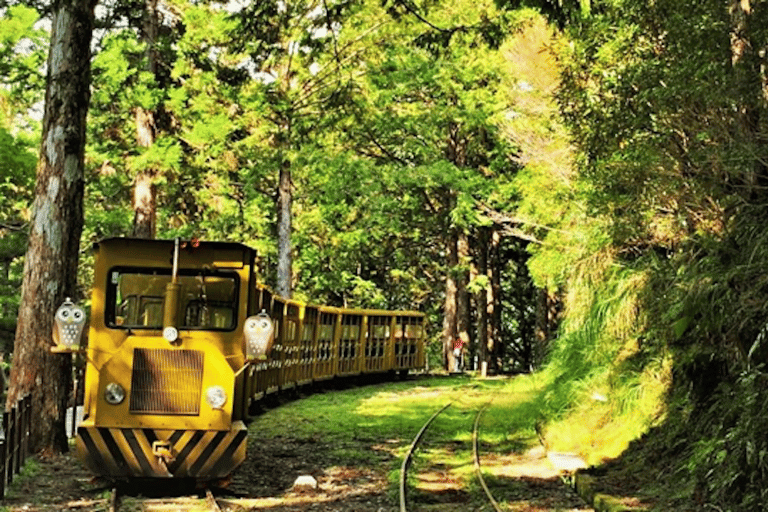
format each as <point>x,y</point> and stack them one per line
<point>208,299</point>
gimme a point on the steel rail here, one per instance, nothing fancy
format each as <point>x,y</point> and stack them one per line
<point>476,457</point>
<point>114,500</point>
<point>211,500</point>
<point>408,456</point>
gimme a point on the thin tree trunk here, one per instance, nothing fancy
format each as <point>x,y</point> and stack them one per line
<point>449,308</point>
<point>50,266</point>
<point>481,253</point>
<point>462,295</point>
<point>542,323</point>
<point>149,37</point>
<point>144,190</point>
<point>740,11</point>
<point>742,61</point>
<point>144,206</point>
<point>494,300</point>
<point>284,256</point>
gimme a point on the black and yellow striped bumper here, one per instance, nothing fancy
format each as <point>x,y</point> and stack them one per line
<point>139,453</point>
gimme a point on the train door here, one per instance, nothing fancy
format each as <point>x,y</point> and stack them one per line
<point>324,348</point>
<point>378,333</point>
<point>307,345</point>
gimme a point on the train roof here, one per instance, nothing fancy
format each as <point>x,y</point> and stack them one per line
<point>165,242</point>
<point>129,247</point>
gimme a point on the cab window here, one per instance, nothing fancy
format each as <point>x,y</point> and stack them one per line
<point>208,300</point>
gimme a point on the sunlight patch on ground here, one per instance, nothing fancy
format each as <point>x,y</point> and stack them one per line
<point>532,463</point>
<point>383,404</point>
<point>438,481</point>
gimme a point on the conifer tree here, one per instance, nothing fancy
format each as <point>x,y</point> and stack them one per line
<point>50,267</point>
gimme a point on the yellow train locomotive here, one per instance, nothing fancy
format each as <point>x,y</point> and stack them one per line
<point>183,340</point>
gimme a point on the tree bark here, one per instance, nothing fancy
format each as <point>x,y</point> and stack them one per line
<point>284,256</point>
<point>50,267</point>
<point>547,320</point>
<point>449,308</point>
<point>144,206</point>
<point>144,190</point>
<point>462,295</point>
<point>481,254</point>
<point>746,69</point>
<point>494,300</point>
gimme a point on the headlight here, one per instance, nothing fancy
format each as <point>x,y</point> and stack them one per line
<point>114,393</point>
<point>170,334</point>
<point>216,397</point>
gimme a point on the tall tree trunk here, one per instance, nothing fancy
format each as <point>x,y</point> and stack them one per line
<point>740,11</point>
<point>284,256</point>
<point>144,190</point>
<point>449,308</point>
<point>494,300</point>
<point>144,206</point>
<point>50,267</point>
<point>547,320</point>
<point>541,330</point>
<point>481,299</point>
<point>151,23</point>
<point>463,318</point>
<point>745,72</point>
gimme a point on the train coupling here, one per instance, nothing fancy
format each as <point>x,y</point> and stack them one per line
<point>162,450</point>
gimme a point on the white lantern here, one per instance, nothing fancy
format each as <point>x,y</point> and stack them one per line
<point>259,334</point>
<point>69,320</point>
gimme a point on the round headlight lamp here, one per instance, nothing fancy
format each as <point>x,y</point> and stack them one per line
<point>216,397</point>
<point>114,393</point>
<point>170,334</point>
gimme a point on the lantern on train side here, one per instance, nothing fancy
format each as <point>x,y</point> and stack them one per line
<point>259,334</point>
<point>68,329</point>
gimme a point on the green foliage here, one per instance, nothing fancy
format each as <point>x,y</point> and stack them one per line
<point>665,104</point>
<point>22,54</point>
<point>729,462</point>
<point>23,50</point>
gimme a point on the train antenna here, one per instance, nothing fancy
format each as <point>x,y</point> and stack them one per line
<point>174,278</point>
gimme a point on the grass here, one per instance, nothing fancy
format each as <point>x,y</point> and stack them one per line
<point>28,472</point>
<point>375,425</point>
<point>595,396</point>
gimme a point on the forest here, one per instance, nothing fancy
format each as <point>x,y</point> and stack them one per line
<point>573,188</point>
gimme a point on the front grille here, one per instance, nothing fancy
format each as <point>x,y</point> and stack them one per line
<point>166,381</point>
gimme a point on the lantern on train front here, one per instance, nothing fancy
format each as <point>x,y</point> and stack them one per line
<point>259,336</point>
<point>68,330</point>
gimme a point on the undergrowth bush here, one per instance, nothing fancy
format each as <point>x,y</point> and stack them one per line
<point>604,387</point>
<point>710,301</point>
<point>678,340</point>
<point>729,459</point>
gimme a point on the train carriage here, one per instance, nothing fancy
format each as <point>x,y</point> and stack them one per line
<point>171,369</point>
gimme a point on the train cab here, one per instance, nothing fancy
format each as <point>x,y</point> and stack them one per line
<point>165,345</point>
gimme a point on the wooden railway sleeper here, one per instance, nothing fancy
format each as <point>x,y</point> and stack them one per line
<point>210,501</point>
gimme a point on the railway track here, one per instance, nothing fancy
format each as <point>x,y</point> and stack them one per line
<point>180,504</point>
<point>476,458</point>
<point>408,459</point>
